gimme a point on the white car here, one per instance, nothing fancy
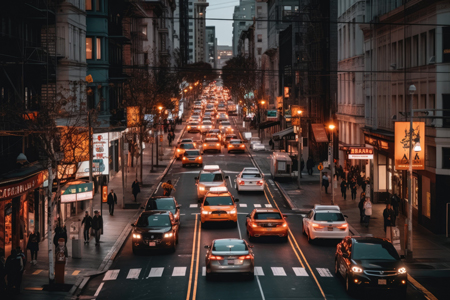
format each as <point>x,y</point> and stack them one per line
<point>207,125</point>
<point>325,222</point>
<point>258,147</point>
<point>250,179</point>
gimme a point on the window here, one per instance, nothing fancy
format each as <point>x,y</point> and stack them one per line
<point>259,38</point>
<point>446,105</point>
<point>259,51</point>
<point>423,49</point>
<point>286,10</point>
<point>415,51</point>
<point>400,55</point>
<point>99,48</point>
<point>88,48</point>
<point>445,158</point>
<point>88,5</point>
<point>259,25</point>
<point>259,10</point>
<point>432,44</point>
<point>144,29</point>
<point>445,44</point>
<point>97,5</point>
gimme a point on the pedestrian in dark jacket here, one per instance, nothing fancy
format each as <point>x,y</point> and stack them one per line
<point>14,267</point>
<point>87,221</point>
<point>388,216</point>
<point>2,272</point>
<point>310,165</point>
<point>271,144</point>
<point>135,189</point>
<point>60,232</point>
<point>33,245</point>
<point>344,188</point>
<point>353,188</point>
<point>362,198</point>
<point>97,226</point>
<point>325,182</point>
<point>395,202</point>
<point>112,199</point>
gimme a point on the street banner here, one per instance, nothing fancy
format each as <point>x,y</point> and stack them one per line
<point>133,116</point>
<point>319,133</point>
<point>402,144</point>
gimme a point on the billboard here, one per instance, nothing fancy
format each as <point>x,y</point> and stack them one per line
<point>403,142</point>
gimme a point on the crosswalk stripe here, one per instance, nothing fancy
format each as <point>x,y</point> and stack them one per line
<point>76,272</point>
<point>156,272</point>
<point>99,289</point>
<point>179,271</point>
<point>268,205</point>
<point>300,271</point>
<point>37,272</point>
<point>193,205</point>
<point>134,273</point>
<point>203,271</point>
<point>278,271</point>
<point>257,205</point>
<point>111,275</point>
<point>259,271</point>
<point>324,272</point>
<point>242,205</point>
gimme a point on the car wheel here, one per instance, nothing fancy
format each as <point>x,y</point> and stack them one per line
<point>251,276</point>
<point>310,240</point>
<point>285,239</point>
<point>203,225</point>
<point>303,229</point>
<point>209,276</point>
<point>136,251</point>
<point>234,224</point>
<point>237,189</point>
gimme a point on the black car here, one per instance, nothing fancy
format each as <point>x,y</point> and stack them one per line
<point>155,230</point>
<point>368,262</point>
<point>164,203</point>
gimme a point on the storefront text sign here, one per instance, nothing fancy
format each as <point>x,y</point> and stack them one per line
<point>16,189</point>
<point>101,154</point>
<point>319,133</point>
<point>77,191</point>
<point>360,153</point>
<point>402,144</point>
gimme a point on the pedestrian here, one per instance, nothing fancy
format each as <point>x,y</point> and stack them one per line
<point>60,232</point>
<point>14,267</point>
<point>271,144</point>
<point>310,165</point>
<point>112,199</point>
<point>97,226</point>
<point>33,245</point>
<point>2,272</point>
<point>344,188</point>
<point>395,202</point>
<point>363,185</point>
<point>87,221</point>
<point>135,189</point>
<point>367,211</point>
<point>302,166</point>
<point>168,187</point>
<point>341,172</point>
<point>388,216</point>
<point>325,182</point>
<point>24,263</point>
<point>353,188</point>
<point>362,198</point>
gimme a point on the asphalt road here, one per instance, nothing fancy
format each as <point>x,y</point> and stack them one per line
<point>292,270</point>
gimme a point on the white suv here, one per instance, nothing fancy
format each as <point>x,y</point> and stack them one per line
<point>325,222</point>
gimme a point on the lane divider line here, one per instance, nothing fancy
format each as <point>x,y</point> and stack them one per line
<point>99,289</point>
<point>194,292</point>
<point>239,228</point>
<point>192,259</point>
<point>260,288</point>
<point>426,292</point>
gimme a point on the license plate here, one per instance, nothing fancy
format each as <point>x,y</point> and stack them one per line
<point>152,244</point>
<point>231,262</point>
<point>330,228</point>
<point>269,229</point>
<point>250,182</point>
<point>382,281</point>
<point>211,145</point>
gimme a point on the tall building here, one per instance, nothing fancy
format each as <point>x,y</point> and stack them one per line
<point>261,40</point>
<point>243,18</point>
<point>211,41</point>
<point>181,29</point>
<point>200,44</point>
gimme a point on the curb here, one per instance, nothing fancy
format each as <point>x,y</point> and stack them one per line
<point>109,258</point>
<point>286,197</point>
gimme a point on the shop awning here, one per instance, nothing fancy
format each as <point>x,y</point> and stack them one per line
<point>77,191</point>
<point>268,124</point>
<point>280,134</point>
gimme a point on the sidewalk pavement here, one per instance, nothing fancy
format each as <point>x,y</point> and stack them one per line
<point>97,259</point>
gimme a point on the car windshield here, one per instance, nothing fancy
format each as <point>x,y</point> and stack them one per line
<point>212,140</point>
<point>329,216</point>
<point>186,141</point>
<point>217,201</point>
<point>267,216</point>
<point>211,177</point>
<point>161,204</point>
<point>187,146</point>
<point>236,142</point>
<point>231,137</point>
<point>384,251</point>
<point>228,245</point>
<point>226,124</point>
<point>154,221</point>
<point>251,175</point>
<point>192,153</point>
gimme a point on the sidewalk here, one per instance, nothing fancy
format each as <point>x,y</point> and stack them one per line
<point>96,259</point>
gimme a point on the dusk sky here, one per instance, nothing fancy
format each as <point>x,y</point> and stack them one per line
<point>222,9</point>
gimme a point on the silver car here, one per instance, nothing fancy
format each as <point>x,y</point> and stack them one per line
<point>229,256</point>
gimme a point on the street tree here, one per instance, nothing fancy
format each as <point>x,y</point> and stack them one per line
<point>240,76</point>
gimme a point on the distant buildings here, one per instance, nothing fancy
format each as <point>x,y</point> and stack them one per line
<point>243,18</point>
<point>224,53</point>
<point>211,48</point>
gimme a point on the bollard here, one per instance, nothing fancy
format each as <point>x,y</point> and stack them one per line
<point>60,263</point>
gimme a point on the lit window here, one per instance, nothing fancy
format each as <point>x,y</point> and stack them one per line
<point>99,48</point>
<point>88,48</point>
<point>88,5</point>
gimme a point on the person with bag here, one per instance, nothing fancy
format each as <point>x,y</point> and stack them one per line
<point>112,199</point>
<point>135,189</point>
<point>367,211</point>
<point>310,165</point>
<point>87,221</point>
<point>325,182</point>
<point>388,216</point>
<point>97,226</point>
<point>362,198</point>
<point>33,245</point>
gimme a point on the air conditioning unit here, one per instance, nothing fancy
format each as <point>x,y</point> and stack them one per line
<point>432,60</point>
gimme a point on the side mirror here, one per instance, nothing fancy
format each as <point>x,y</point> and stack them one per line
<point>226,177</point>
<point>346,216</point>
<point>251,246</point>
<point>207,246</point>
<point>132,225</point>
<point>236,200</point>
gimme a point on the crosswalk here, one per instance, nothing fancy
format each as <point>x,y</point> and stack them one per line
<point>255,205</point>
<point>181,271</point>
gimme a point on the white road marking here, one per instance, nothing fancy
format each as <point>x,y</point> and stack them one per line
<point>268,205</point>
<point>155,272</point>
<point>179,271</point>
<point>99,289</point>
<point>229,178</point>
<point>111,275</point>
<point>278,271</point>
<point>239,229</point>
<point>221,155</point>
<point>209,155</point>
<point>242,205</point>
<point>193,205</point>
<point>257,205</point>
<point>203,271</point>
<point>324,272</point>
<point>176,182</point>
<point>157,188</point>
<point>260,288</point>
<point>259,271</point>
<point>300,271</point>
<point>235,185</point>
<point>134,273</point>
<point>271,182</point>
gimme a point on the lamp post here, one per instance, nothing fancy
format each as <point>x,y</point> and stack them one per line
<point>331,127</point>
<point>299,136</point>
<point>409,248</point>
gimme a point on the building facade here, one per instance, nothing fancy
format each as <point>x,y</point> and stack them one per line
<point>211,42</point>
<point>243,18</point>
<point>200,42</point>
<point>224,53</point>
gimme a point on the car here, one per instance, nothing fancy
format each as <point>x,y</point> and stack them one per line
<point>193,127</point>
<point>250,179</point>
<point>212,144</point>
<point>179,152</point>
<point>224,256</point>
<point>164,203</point>
<point>266,222</point>
<point>222,117</point>
<point>236,145</point>
<point>192,157</point>
<point>325,222</point>
<point>154,230</point>
<point>207,125</point>
<point>227,139</point>
<point>258,147</point>
<point>370,262</point>
<point>219,205</point>
<point>214,133</point>
<point>211,176</point>
<point>224,125</point>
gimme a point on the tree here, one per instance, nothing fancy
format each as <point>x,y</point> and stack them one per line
<point>239,75</point>
<point>197,72</point>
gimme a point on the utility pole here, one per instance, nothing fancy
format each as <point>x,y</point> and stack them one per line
<point>409,251</point>
<point>91,206</point>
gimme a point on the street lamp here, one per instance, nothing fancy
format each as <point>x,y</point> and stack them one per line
<point>299,150</point>
<point>409,248</point>
<point>331,127</point>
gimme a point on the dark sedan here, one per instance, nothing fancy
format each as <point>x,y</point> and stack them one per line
<point>368,262</point>
<point>164,203</point>
<point>155,230</point>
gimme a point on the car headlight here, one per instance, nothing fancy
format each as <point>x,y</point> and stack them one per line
<point>402,270</point>
<point>178,150</point>
<point>204,212</point>
<point>232,212</point>
<point>201,188</point>
<point>357,269</point>
<point>136,236</point>
<point>168,234</point>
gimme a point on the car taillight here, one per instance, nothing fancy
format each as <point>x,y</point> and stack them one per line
<point>260,182</point>
<point>241,182</point>
<point>317,226</point>
<point>184,158</point>
<point>245,257</point>
<point>215,257</point>
<point>343,226</point>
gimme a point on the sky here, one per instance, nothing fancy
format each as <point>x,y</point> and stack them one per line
<point>222,9</point>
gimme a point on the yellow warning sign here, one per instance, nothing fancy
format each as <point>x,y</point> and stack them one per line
<point>320,167</point>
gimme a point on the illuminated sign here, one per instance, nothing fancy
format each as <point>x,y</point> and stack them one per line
<point>77,191</point>
<point>360,153</point>
<point>403,143</point>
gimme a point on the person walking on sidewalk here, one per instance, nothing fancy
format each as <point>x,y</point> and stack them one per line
<point>87,221</point>
<point>271,144</point>
<point>353,188</point>
<point>310,165</point>
<point>344,188</point>
<point>388,216</point>
<point>97,226</point>
<point>135,189</point>
<point>170,137</point>
<point>60,232</point>
<point>395,202</point>
<point>367,211</point>
<point>362,198</point>
<point>33,245</point>
<point>325,182</point>
<point>168,187</point>
<point>112,199</point>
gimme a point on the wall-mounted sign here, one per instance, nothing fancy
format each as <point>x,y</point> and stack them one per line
<point>19,188</point>
<point>360,153</point>
<point>272,115</point>
<point>104,193</point>
<point>403,142</point>
<point>100,154</point>
<point>77,191</point>
<point>319,133</point>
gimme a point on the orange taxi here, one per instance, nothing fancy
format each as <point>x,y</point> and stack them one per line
<point>212,144</point>
<point>236,145</point>
<point>266,222</point>
<point>219,206</point>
